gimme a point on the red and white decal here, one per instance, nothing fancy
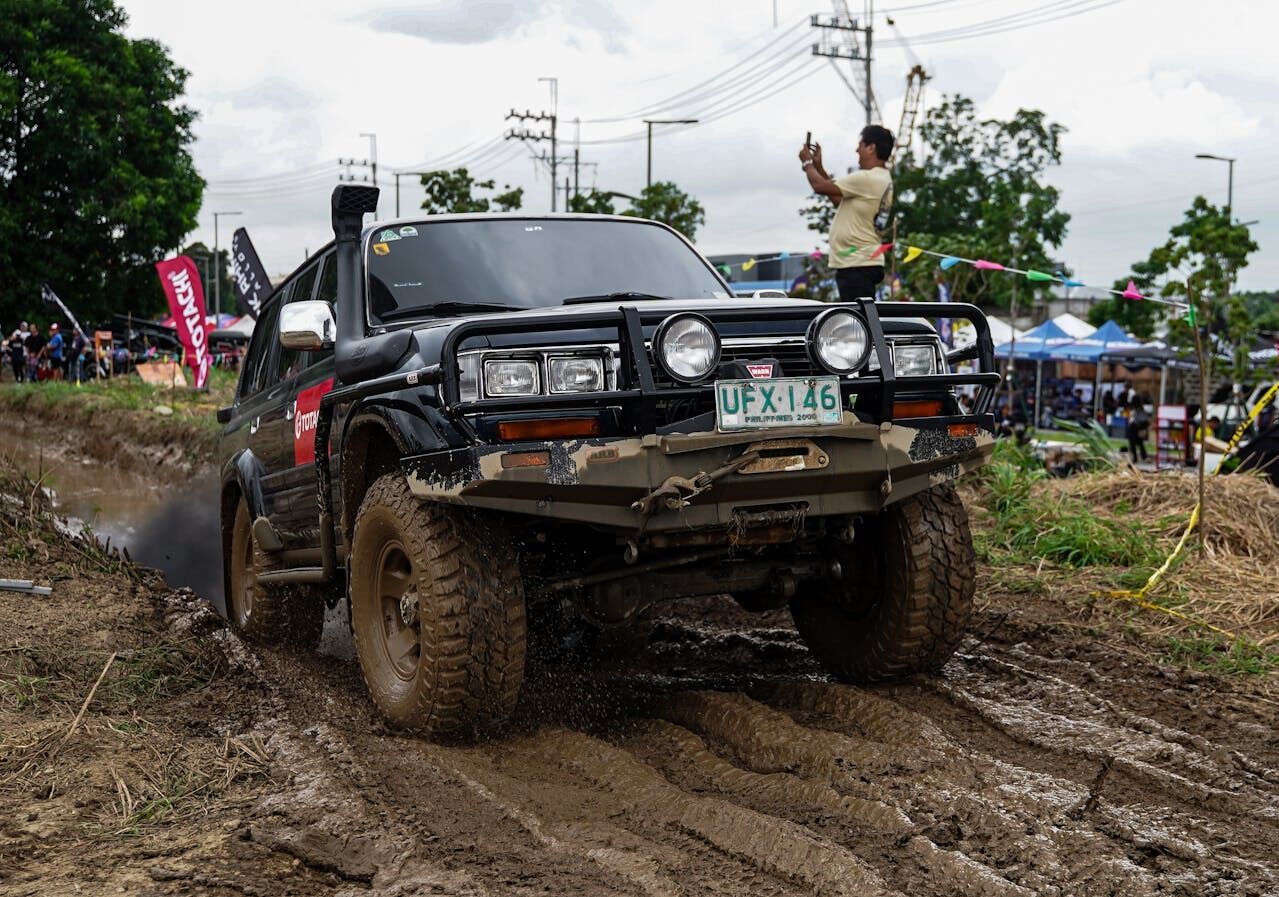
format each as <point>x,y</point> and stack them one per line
<point>306,415</point>
<point>760,371</point>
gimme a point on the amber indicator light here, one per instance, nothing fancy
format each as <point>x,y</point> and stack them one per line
<point>961,430</point>
<point>525,459</point>
<point>550,428</point>
<point>921,408</point>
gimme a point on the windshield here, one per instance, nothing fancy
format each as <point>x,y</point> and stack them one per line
<point>428,268</point>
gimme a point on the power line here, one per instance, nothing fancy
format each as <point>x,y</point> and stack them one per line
<point>1062,9</point>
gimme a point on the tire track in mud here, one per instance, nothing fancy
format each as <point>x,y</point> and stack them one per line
<point>791,785</point>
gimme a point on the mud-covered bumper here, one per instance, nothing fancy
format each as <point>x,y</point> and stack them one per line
<point>853,467</point>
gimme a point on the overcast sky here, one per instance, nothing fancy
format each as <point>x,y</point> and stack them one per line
<point>1142,85</point>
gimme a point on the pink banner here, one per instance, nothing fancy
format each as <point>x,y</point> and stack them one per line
<point>186,302</point>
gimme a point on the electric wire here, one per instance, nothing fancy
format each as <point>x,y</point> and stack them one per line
<point>1043,15</point>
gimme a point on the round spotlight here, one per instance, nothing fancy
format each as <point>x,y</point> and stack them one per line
<point>687,347</point>
<point>839,341</point>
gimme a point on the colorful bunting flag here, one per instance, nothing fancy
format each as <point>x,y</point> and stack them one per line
<point>1039,276</point>
<point>815,254</point>
<point>948,262</point>
<point>784,256</point>
<point>983,265</point>
<point>883,247</point>
<point>748,264</point>
<point>1189,316</point>
<point>912,253</point>
<point>1131,292</point>
<point>849,251</point>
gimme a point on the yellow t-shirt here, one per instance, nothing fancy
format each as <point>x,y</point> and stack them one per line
<point>866,193</point>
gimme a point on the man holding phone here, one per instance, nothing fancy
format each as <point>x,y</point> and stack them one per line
<point>864,199</point>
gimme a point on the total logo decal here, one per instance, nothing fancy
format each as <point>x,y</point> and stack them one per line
<point>306,416</point>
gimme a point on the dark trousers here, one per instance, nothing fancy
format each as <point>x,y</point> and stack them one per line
<point>19,368</point>
<point>854,283</point>
<point>1136,444</point>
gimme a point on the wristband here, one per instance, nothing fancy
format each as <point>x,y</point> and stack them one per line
<point>808,163</point>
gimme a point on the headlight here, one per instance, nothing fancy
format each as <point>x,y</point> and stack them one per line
<point>469,382</point>
<point>687,347</point>
<point>575,374</point>
<point>839,341</point>
<point>510,378</point>
<point>914,361</point>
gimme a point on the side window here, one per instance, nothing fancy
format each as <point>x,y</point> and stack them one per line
<point>289,362</point>
<point>259,354</point>
<point>327,292</point>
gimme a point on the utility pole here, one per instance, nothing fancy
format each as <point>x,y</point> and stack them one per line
<point>217,267</point>
<point>839,40</point>
<point>648,177</point>
<point>525,134</point>
<point>398,175</point>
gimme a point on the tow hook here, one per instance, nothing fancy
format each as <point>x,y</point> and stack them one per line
<point>678,492</point>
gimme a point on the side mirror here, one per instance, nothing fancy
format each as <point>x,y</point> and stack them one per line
<point>770,294</point>
<point>308,326</point>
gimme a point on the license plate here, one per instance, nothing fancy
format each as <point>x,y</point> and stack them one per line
<point>780,402</point>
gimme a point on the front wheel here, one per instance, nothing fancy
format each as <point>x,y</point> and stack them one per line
<point>437,613</point>
<point>905,593</point>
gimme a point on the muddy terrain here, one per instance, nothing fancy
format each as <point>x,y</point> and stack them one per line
<point>1045,759</point>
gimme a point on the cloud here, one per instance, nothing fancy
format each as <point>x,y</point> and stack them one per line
<point>272,92</point>
<point>483,21</point>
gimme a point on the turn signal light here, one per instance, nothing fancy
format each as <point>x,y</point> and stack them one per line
<point>917,408</point>
<point>548,428</point>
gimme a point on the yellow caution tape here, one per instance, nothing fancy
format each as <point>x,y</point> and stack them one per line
<point>1139,596</point>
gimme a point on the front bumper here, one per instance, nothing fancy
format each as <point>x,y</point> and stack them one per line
<point>850,468</point>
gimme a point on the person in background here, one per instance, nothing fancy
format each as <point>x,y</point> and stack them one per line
<point>18,353</point>
<point>75,358</point>
<point>864,202</point>
<point>1137,429</point>
<point>35,350</point>
<point>57,350</point>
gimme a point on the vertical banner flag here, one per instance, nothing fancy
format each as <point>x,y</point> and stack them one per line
<point>944,330</point>
<point>186,302</point>
<point>251,283</point>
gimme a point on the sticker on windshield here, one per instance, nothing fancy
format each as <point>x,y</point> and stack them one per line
<point>381,249</point>
<point>408,230</point>
<point>389,235</point>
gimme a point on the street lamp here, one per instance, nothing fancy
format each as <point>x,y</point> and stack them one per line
<point>217,269</point>
<point>648,179</point>
<point>1230,181</point>
<point>398,175</point>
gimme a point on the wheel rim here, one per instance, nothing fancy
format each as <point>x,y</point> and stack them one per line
<point>395,588</point>
<point>247,580</point>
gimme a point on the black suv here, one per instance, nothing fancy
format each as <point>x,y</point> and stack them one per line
<point>571,416</point>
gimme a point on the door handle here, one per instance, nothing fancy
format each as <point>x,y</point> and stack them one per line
<point>292,409</point>
<point>253,425</point>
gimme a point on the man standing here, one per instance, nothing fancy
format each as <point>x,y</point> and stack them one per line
<point>864,199</point>
<point>35,348</point>
<point>56,349</point>
<point>18,353</point>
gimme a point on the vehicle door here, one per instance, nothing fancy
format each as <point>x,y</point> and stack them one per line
<point>314,379</point>
<point>261,412</point>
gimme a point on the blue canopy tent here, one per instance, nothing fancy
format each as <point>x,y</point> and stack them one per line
<point>1109,343</point>
<point>1038,345</point>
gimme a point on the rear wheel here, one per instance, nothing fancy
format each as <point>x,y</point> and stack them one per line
<point>904,596</point>
<point>437,612</point>
<point>266,613</point>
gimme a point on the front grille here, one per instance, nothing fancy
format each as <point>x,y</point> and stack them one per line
<point>793,357</point>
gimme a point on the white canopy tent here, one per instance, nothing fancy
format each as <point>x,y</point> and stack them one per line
<point>1076,327</point>
<point>1000,332</point>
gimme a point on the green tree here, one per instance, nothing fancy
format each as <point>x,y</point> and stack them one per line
<point>455,191</point>
<point>663,201</point>
<point>96,180</point>
<point>1198,264</point>
<point>979,193</point>
<point>594,202</point>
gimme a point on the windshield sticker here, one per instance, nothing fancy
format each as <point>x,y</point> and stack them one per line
<point>408,230</point>
<point>389,235</point>
<point>381,249</point>
<point>407,283</point>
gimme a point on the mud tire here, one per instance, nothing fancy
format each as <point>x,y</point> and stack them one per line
<point>906,596</point>
<point>269,615</point>
<point>463,675</point>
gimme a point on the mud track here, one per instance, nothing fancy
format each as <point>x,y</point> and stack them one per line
<point>721,761</point>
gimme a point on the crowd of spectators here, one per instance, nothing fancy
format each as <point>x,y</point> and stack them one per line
<point>33,356</point>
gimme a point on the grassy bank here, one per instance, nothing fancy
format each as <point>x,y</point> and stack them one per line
<point>1077,542</point>
<point>148,416</point>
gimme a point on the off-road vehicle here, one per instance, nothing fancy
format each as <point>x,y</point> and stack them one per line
<point>571,417</point>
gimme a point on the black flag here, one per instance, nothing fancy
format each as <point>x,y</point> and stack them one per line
<point>252,285</point>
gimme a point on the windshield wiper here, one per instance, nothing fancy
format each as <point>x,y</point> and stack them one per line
<point>442,309</point>
<point>573,300</point>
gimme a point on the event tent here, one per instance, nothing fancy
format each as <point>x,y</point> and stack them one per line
<point>1036,344</point>
<point>1076,327</point>
<point>1000,332</point>
<point>1108,339</point>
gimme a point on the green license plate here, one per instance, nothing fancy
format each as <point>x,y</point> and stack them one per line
<point>780,402</point>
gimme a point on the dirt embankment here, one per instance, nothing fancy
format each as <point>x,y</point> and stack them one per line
<point>1042,761</point>
<point>92,423</point>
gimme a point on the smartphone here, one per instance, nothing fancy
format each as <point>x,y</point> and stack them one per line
<point>808,139</point>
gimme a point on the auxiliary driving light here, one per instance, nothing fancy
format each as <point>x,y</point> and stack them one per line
<point>568,373</point>
<point>838,341</point>
<point>918,360</point>
<point>510,377</point>
<point>687,347</point>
